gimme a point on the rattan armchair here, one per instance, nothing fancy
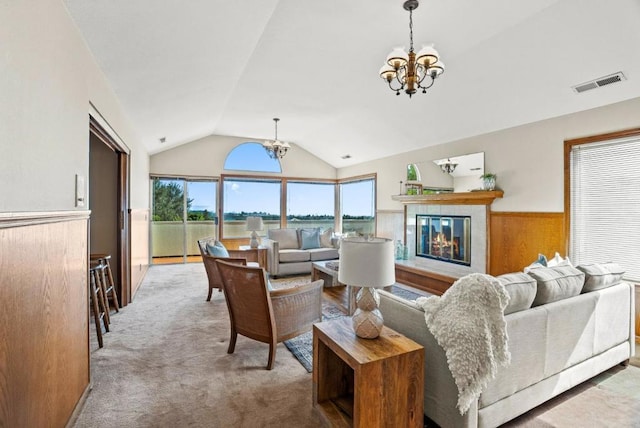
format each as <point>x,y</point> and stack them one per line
<point>268,316</point>
<point>235,256</point>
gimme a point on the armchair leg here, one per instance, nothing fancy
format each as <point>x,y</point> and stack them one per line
<point>272,355</point>
<point>209,296</point>
<point>232,341</point>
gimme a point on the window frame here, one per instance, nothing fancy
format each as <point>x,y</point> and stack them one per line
<point>568,146</point>
<point>283,196</point>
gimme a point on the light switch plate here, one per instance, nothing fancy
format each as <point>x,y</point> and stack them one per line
<point>80,191</point>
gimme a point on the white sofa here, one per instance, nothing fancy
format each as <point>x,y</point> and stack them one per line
<point>554,346</point>
<point>292,251</point>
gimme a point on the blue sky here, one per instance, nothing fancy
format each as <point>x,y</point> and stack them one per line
<point>265,196</point>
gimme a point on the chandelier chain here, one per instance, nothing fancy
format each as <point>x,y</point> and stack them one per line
<point>411,30</point>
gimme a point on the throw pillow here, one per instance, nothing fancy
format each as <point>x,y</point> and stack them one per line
<point>287,238</point>
<point>541,261</point>
<point>521,289</point>
<point>556,283</point>
<point>558,261</point>
<point>325,238</point>
<point>598,276</point>
<point>217,249</point>
<point>309,239</point>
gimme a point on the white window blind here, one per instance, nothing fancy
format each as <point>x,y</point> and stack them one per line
<point>605,204</point>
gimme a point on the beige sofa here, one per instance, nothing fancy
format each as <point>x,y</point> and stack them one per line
<point>291,251</point>
<point>556,344</point>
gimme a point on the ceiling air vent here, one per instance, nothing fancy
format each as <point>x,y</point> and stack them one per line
<point>598,83</point>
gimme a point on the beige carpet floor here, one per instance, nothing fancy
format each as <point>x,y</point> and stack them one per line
<point>165,364</point>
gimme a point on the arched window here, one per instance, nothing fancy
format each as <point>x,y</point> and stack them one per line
<point>251,156</point>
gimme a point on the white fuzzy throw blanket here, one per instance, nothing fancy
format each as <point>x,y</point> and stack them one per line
<point>468,323</point>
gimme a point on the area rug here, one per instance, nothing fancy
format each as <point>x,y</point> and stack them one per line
<point>302,346</point>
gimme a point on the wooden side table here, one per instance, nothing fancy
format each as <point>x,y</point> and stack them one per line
<point>258,255</point>
<point>366,382</point>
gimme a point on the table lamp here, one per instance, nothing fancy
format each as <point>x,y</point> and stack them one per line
<point>253,224</point>
<point>367,263</point>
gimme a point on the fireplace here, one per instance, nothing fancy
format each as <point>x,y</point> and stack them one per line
<point>444,238</point>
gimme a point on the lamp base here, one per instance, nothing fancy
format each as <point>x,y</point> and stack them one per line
<point>254,242</point>
<point>367,319</point>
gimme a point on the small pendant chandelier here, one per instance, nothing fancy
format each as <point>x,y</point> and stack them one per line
<point>447,166</point>
<point>276,149</point>
<point>410,72</point>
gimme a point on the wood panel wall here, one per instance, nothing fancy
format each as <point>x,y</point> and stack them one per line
<point>139,247</point>
<point>44,333</point>
<point>516,239</point>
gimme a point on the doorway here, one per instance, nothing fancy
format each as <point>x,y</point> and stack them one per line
<point>109,205</point>
<point>184,211</point>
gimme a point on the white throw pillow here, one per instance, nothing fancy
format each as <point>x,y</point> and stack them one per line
<point>598,276</point>
<point>325,238</point>
<point>287,238</point>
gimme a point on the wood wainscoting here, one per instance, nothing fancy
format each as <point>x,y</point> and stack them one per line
<point>44,330</point>
<point>516,239</point>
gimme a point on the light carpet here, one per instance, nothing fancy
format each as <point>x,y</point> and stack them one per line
<point>165,364</point>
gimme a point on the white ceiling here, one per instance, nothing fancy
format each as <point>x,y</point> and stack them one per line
<point>187,69</point>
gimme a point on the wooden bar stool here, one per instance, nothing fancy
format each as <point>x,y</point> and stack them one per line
<point>98,305</point>
<point>110,286</point>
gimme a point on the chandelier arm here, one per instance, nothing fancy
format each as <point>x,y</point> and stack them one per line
<point>429,85</point>
<point>396,80</point>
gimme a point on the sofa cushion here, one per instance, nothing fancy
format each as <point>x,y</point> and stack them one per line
<point>325,238</point>
<point>217,249</point>
<point>599,276</point>
<point>287,238</point>
<point>323,254</point>
<point>288,256</point>
<point>521,289</point>
<point>309,238</point>
<point>556,283</point>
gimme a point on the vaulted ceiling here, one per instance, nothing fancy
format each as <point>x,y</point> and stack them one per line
<point>186,69</point>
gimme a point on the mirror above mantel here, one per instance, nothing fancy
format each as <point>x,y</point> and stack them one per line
<point>456,173</point>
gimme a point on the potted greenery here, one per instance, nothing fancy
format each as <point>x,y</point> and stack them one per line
<point>488,181</point>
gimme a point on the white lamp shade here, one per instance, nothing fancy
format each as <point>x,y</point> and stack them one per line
<point>427,56</point>
<point>387,72</point>
<point>367,262</point>
<point>254,223</point>
<point>397,58</point>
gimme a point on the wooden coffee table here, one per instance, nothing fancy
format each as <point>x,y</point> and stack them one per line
<point>345,299</point>
<point>319,270</point>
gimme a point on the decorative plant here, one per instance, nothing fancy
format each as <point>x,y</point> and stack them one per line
<point>488,181</point>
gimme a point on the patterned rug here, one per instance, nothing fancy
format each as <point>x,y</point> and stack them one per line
<point>302,346</point>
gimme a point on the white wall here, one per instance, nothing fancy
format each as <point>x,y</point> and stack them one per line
<point>48,80</point>
<point>527,159</point>
<point>206,156</point>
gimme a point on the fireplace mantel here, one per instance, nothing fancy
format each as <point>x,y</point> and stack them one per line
<point>458,198</point>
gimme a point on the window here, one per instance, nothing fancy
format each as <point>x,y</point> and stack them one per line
<point>250,197</point>
<point>605,202</point>
<point>311,204</point>
<point>357,205</point>
<point>251,157</point>
<point>184,210</point>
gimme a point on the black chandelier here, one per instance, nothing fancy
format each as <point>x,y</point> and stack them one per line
<point>410,71</point>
